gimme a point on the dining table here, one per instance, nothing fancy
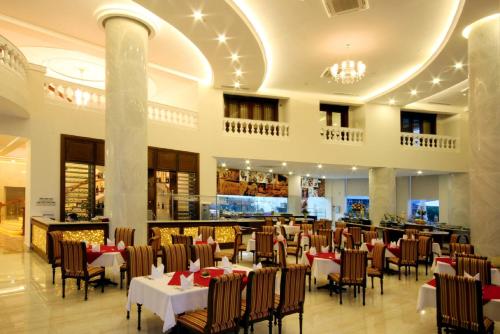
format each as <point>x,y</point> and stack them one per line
<point>446,265</point>
<point>322,264</point>
<point>108,257</point>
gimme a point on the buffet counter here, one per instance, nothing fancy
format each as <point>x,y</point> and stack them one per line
<point>93,232</point>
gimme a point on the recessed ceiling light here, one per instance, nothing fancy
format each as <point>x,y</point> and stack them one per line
<point>308,175</point>
<point>324,177</point>
<point>419,172</point>
<point>222,38</point>
<point>247,161</point>
<point>320,166</point>
<point>354,168</point>
<point>197,15</point>
<point>237,84</point>
<point>290,173</point>
<point>248,167</point>
<point>270,170</point>
<point>238,72</point>
<point>436,81</point>
<point>235,56</point>
<point>223,164</point>
<point>458,65</point>
<point>392,102</point>
<point>283,164</point>
<point>413,92</point>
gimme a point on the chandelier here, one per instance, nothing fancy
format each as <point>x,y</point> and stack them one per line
<point>347,72</point>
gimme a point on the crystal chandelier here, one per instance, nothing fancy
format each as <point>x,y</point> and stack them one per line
<point>347,72</point>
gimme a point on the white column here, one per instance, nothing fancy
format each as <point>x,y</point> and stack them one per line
<point>459,199</point>
<point>382,188</point>
<point>126,125</point>
<point>484,102</point>
<point>294,195</point>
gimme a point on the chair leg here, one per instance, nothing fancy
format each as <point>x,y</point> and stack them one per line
<point>399,273</point>
<point>86,287</point>
<point>128,315</point>
<point>245,328</point>
<point>364,289</point>
<point>416,272</point>
<point>279,325</point>
<point>340,292</point>
<point>330,287</point>
<point>139,306</point>
<point>426,262</point>
<point>53,275</point>
<point>78,283</point>
<point>270,325</point>
<point>102,282</point>
<point>372,281</point>
<point>355,288</point>
<point>63,287</point>
<point>310,283</point>
<point>300,322</point>
<point>121,279</point>
<point>382,285</point>
<point>251,328</point>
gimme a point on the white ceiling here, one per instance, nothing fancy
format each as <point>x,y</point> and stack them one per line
<point>13,148</point>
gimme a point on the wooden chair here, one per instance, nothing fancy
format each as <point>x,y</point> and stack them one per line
<point>349,241</point>
<point>377,267</point>
<point>54,251</point>
<point>259,303</point>
<point>283,263</point>
<point>282,254</point>
<point>282,231</point>
<point>411,232</point>
<point>185,240</point>
<point>319,225</point>
<point>268,229</point>
<point>126,235</point>
<point>318,241</point>
<point>352,272</point>
<point>454,238</point>
<point>337,237</point>
<point>155,243</point>
<point>474,266</point>
<point>295,249</point>
<point>386,236</point>
<point>329,237</point>
<point>306,229</point>
<point>140,260</point>
<point>74,265</point>
<point>231,254</point>
<point>206,232</point>
<point>409,257</point>
<point>459,305</point>
<point>461,249</point>
<point>292,294</point>
<point>356,235</point>
<point>425,250</point>
<point>224,308</point>
<point>368,236</point>
<point>268,221</point>
<point>264,246</point>
<point>340,224</point>
<point>205,253</point>
<point>174,258</point>
<point>282,220</point>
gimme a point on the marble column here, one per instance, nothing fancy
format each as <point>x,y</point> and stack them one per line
<point>294,195</point>
<point>484,125</point>
<point>126,125</point>
<point>458,199</point>
<point>382,190</point>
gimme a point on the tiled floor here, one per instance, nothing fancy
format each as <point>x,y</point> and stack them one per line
<point>30,303</point>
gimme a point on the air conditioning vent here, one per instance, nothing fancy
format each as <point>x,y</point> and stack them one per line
<point>339,7</point>
<point>439,103</point>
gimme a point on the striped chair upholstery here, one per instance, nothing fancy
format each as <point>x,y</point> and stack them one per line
<point>74,265</point>
<point>155,243</point>
<point>124,234</point>
<point>307,228</point>
<point>461,248</point>
<point>282,220</point>
<point>54,251</point>
<point>409,256</point>
<point>224,307</point>
<point>352,271</point>
<point>292,293</point>
<point>268,221</point>
<point>319,225</point>
<point>282,254</point>
<point>185,240</point>
<point>337,237</point>
<point>174,258</point>
<point>425,250</point>
<point>231,254</point>
<point>328,233</point>
<point>368,236</point>
<point>472,256</point>
<point>356,235</point>
<point>454,238</point>
<point>268,229</point>
<point>340,224</point>
<point>411,232</point>
<point>282,231</point>
<point>474,266</point>
<point>377,267</point>
<point>259,303</point>
<point>206,232</point>
<point>155,231</point>
<point>295,249</point>
<point>349,241</point>
<point>237,229</point>
<point>205,253</point>
<point>139,261</point>
<point>459,305</point>
<point>264,246</point>
<point>317,241</point>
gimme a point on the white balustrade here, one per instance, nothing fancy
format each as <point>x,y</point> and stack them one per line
<point>12,58</point>
<point>429,142</point>
<point>337,134</point>
<point>255,128</point>
<point>93,98</point>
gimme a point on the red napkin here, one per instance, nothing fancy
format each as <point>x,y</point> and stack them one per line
<point>92,256</point>
<point>204,281</point>
<point>369,246</point>
<point>395,250</point>
<point>329,256</point>
<point>489,291</point>
<point>448,260</point>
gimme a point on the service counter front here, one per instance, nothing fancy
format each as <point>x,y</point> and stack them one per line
<point>93,232</point>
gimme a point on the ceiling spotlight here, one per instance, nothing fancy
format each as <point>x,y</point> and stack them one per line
<point>198,15</point>
<point>392,102</point>
<point>247,161</point>
<point>270,170</point>
<point>436,81</point>
<point>223,164</point>
<point>283,164</point>
<point>234,56</point>
<point>419,172</point>
<point>413,92</point>
<point>222,38</point>
<point>324,177</point>
<point>354,168</point>
<point>308,175</point>
<point>290,173</point>
<point>237,84</point>
<point>458,65</point>
<point>238,72</point>
<point>248,167</point>
<point>320,166</point>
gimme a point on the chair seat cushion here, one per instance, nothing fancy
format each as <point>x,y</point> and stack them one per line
<point>371,271</point>
<point>292,250</point>
<point>57,262</point>
<point>265,254</point>
<point>334,277</point>
<point>242,247</point>
<point>394,260</point>
<point>253,316</point>
<point>91,270</point>
<point>196,320</point>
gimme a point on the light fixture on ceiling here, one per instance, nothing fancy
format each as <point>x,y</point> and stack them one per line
<point>354,168</point>
<point>270,170</point>
<point>247,161</point>
<point>223,164</point>
<point>248,167</point>
<point>235,56</point>
<point>419,172</point>
<point>222,38</point>
<point>324,177</point>
<point>436,81</point>
<point>392,102</point>
<point>290,173</point>
<point>458,65</point>
<point>197,15</point>
<point>345,72</point>
<point>320,166</point>
<point>308,175</point>
<point>236,84</point>
<point>413,92</point>
<point>283,164</point>
<point>238,72</point>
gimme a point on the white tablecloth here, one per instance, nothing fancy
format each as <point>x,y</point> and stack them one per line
<point>166,300</point>
<point>388,253</point>
<point>251,245</point>
<point>217,248</point>
<point>289,230</point>
<point>436,249</point>
<point>439,267</point>
<point>427,298</point>
<point>112,262</point>
<point>321,267</point>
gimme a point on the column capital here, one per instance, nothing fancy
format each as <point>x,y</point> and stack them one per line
<point>133,12</point>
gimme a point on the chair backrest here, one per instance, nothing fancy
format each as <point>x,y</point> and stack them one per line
<point>409,251</point>
<point>263,243</point>
<point>461,249</point>
<point>474,266</point>
<point>260,293</point>
<point>292,288</point>
<point>206,232</point>
<point>349,241</point>
<point>385,236</point>
<point>378,256</point>
<point>368,236</point>
<point>472,256</point>
<point>411,232</point>
<point>283,231</point>
<point>73,258</point>
<point>356,234</point>
<point>318,241</point>
<point>353,267</point>
<point>155,243</point>
<point>186,240</point>
<point>238,240</point>
<point>175,258</point>
<point>454,238</point>
<point>156,231</point>
<point>306,228</point>
<point>337,236</point>
<point>224,303</point>
<point>292,220</point>
<point>282,254</point>
<point>459,302</point>
<point>268,221</point>
<point>328,234</point>
<point>237,229</point>
<point>139,261</point>
<point>268,229</point>
<point>340,224</point>
<point>282,220</point>
<point>124,234</point>
<point>424,246</point>
<point>205,253</point>
<point>319,225</point>
<point>54,251</point>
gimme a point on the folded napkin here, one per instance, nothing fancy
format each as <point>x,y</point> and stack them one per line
<point>121,245</point>
<point>227,265</point>
<point>405,236</point>
<point>312,251</point>
<point>325,249</point>
<point>398,243</point>
<point>96,248</point>
<point>346,230</point>
<point>157,272</point>
<point>194,266</point>
<point>373,242</point>
<point>198,238</point>
<point>210,241</point>
<point>413,237</point>
<point>187,282</point>
<point>110,242</point>
<point>253,235</point>
<point>393,244</point>
<point>278,223</point>
<point>257,266</point>
<point>280,237</point>
<point>290,223</point>
<point>476,277</point>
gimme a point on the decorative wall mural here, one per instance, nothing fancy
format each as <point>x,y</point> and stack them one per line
<point>251,183</point>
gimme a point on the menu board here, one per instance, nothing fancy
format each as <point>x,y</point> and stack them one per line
<point>251,183</point>
<point>312,187</point>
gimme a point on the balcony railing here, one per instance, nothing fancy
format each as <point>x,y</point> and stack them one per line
<point>88,97</point>
<point>12,58</point>
<point>255,128</point>
<point>431,142</point>
<point>342,135</point>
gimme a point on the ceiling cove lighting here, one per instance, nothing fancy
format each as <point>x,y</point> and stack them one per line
<point>290,173</point>
<point>247,161</point>
<point>236,84</point>
<point>468,29</point>
<point>419,172</point>
<point>270,170</point>
<point>283,164</point>
<point>248,167</point>
<point>308,175</point>
<point>320,166</point>
<point>223,164</point>
<point>354,168</point>
<point>392,102</point>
